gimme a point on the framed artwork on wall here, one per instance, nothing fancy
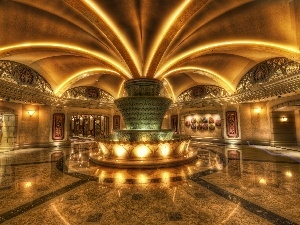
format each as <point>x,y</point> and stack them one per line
<point>116,122</point>
<point>174,123</point>
<point>232,124</point>
<point>58,126</point>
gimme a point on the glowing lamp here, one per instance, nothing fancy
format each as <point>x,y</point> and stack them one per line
<point>262,181</point>
<point>288,174</point>
<point>102,176</point>
<point>103,149</point>
<point>166,177</point>
<point>27,184</point>
<point>30,112</point>
<point>142,151</point>
<point>120,151</point>
<point>120,178</point>
<point>165,150</point>
<point>142,179</point>
<point>257,110</point>
<point>284,119</point>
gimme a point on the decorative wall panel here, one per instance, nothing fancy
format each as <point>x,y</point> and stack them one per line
<point>116,122</point>
<point>58,126</point>
<point>174,123</point>
<point>232,124</point>
<point>203,125</point>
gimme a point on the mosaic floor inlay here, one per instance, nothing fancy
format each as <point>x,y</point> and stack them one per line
<point>225,185</point>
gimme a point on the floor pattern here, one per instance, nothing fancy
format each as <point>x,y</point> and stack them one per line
<point>225,185</point>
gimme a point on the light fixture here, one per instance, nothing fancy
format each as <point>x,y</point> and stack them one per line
<point>257,110</point>
<point>262,181</point>
<point>27,184</point>
<point>284,119</point>
<point>288,174</point>
<point>30,112</point>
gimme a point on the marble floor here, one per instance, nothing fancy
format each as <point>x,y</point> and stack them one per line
<point>225,185</point>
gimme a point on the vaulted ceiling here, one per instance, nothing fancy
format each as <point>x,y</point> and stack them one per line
<point>184,43</point>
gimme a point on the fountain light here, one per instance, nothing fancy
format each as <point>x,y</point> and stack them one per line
<point>166,177</point>
<point>165,149</point>
<point>102,176</point>
<point>142,179</point>
<point>119,151</point>
<point>142,151</point>
<point>120,178</point>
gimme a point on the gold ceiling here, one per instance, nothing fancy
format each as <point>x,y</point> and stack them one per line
<point>185,43</point>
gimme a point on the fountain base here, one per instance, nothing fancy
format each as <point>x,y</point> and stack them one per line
<point>143,163</point>
<point>143,154</point>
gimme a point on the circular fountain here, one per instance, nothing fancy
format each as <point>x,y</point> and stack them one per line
<point>143,144</point>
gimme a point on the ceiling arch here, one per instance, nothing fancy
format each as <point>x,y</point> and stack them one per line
<point>79,76</point>
<point>197,70</point>
<point>220,40</point>
<point>10,51</point>
<point>94,13</point>
<point>238,47</point>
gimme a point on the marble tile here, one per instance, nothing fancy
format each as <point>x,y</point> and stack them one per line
<point>22,184</point>
<point>260,188</point>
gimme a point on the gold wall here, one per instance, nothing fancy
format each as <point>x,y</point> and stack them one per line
<point>264,127</point>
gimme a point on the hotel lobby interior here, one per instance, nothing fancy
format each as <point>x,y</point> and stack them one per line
<point>149,112</point>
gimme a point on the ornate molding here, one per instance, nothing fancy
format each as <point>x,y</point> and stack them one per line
<point>268,71</point>
<point>267,80</point>
<point>202,92</point>
<point>22,93</point>
<point>22,75</point>
<point>19,83</point>
<point>88,93</point>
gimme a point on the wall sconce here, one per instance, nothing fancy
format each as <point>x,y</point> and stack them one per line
<point>30,112</point>
<point>288,174</point>
<point>257,110</point>
<point>262,181</point>
<point>284,119</point>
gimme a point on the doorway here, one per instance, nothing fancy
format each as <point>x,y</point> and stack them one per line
<point>92,126</point>
<point>8,128</point>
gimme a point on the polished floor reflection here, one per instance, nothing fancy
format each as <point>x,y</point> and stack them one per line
<point>225,185</point>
